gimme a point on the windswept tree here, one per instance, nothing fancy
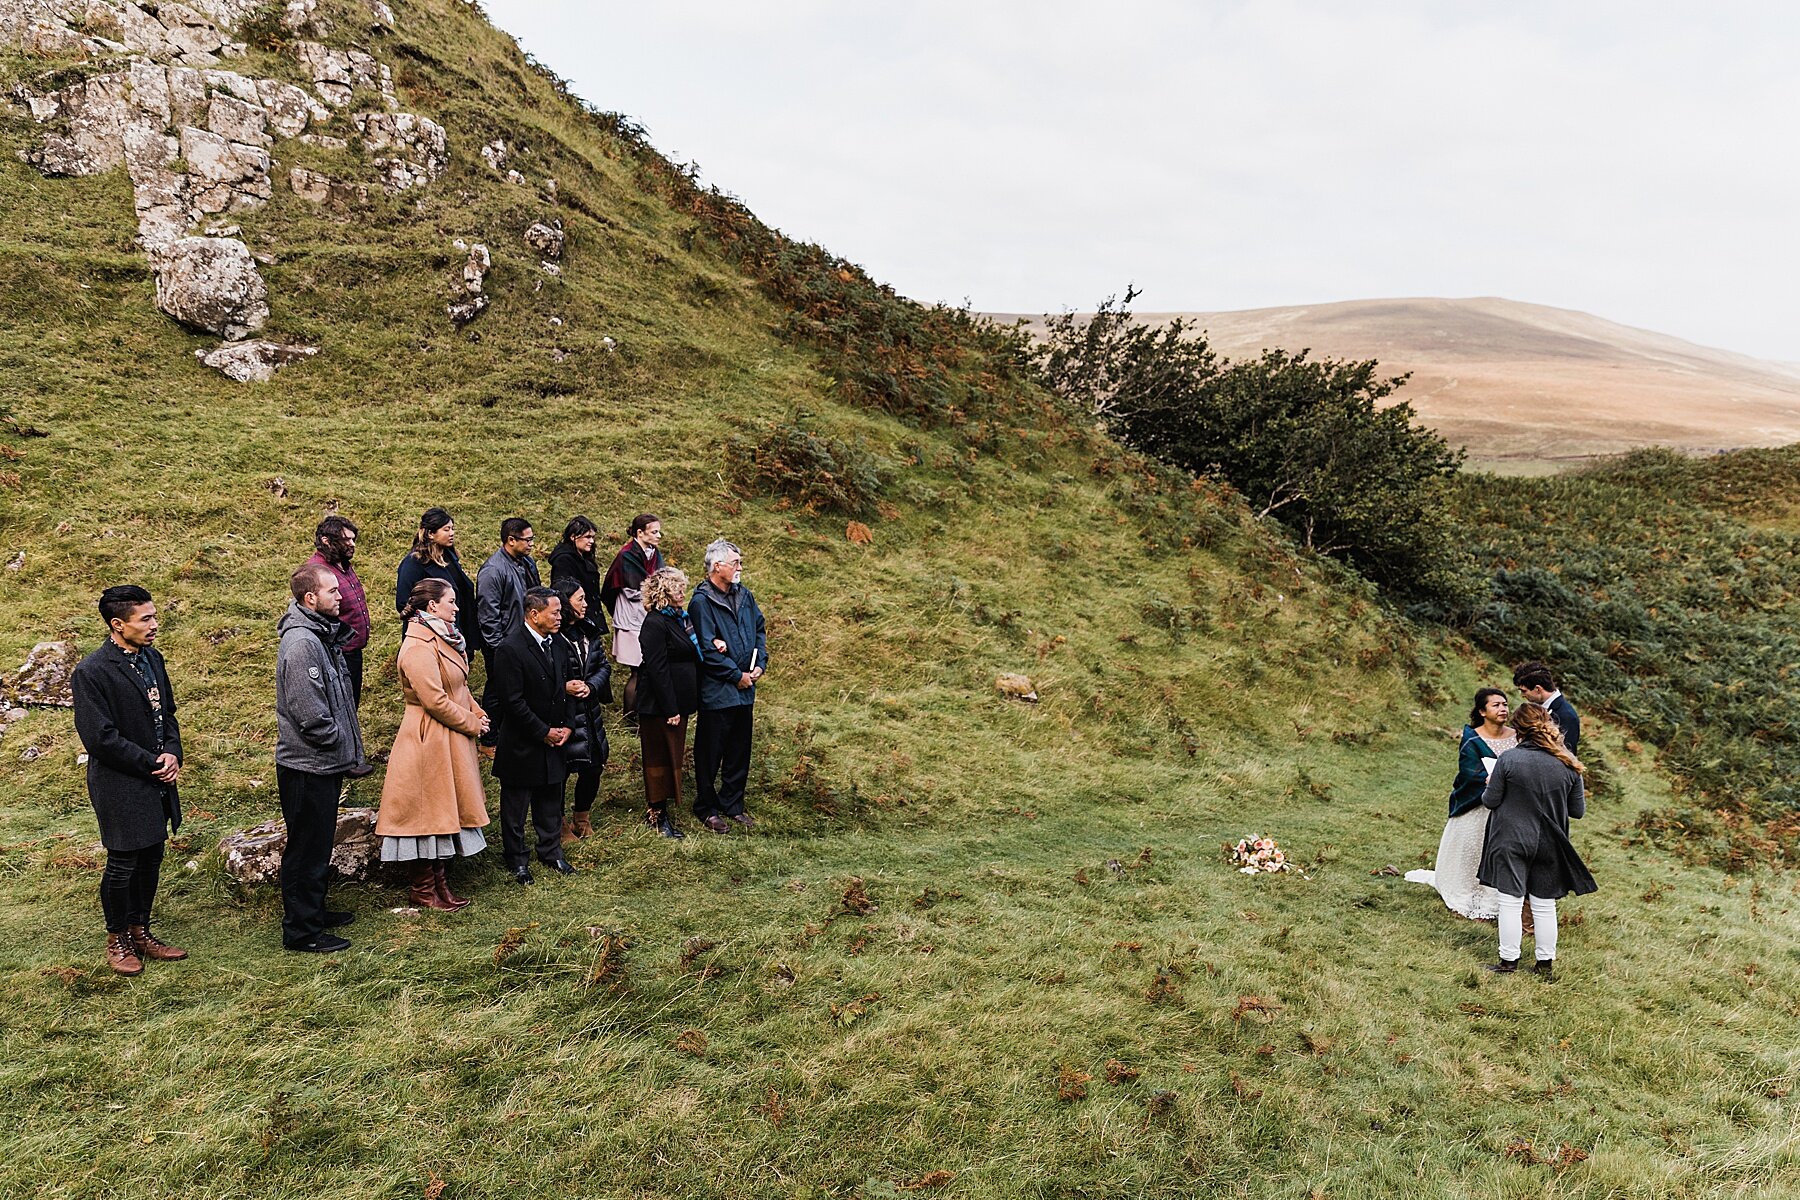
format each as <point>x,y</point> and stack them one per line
<point>1307,441</point>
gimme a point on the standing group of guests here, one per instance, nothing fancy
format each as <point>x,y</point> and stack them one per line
<point>1506,843</point>
<point>548,677</point>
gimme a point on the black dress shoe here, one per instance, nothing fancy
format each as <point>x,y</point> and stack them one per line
<point>522,874</point>
<point>716,823</point>
<point>1545,969</point>
<point>1505,966</point>
<point>324,943</point>
<point>559,865</point>
<point>667,828</point>
<point>337,920</point>
<point>361,770</point>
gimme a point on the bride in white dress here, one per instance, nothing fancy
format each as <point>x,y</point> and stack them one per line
<point>1484,739</point>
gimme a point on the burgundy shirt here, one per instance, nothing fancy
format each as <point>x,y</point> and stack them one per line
<point>355,610</point>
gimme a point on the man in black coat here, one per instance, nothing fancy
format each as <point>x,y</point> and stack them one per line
<point>531,687</point>
<point>125,714</point>
<point>1536,684</point>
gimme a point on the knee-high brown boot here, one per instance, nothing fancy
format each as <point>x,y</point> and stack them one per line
<point>441,881</point>
<point>424,886</point>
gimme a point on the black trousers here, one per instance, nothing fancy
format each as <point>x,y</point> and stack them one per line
<point>353,659</point>
<point>722,760</point>
<point>309,805</point>
<point>128,886</point>
<point>545,805</point>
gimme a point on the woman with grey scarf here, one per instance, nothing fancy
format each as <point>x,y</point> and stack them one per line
<point>433,804</point>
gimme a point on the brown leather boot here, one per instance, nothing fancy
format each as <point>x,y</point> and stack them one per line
<point>121,954</point>
<point>440,875</point>
<point>151,947</point>
<point>579,825</point>
<point>424,887</point>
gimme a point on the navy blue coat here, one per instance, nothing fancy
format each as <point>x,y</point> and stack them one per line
<point>1567,720</point>
<point>740,627</point>
<point>113,717</point>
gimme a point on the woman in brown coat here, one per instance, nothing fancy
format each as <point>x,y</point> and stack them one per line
<point>433,805</point>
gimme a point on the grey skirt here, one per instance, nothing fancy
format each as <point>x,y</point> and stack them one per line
<point>433,847</point>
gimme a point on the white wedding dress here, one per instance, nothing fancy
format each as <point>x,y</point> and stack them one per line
<point>1459,857</point>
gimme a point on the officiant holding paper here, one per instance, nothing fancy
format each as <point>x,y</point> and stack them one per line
<point>1485,738</point>
<point>734,654</point>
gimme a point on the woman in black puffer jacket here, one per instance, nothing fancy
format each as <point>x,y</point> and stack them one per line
<point>587,750</point>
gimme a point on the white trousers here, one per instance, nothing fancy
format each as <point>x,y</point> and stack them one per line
<point>1512,926</point>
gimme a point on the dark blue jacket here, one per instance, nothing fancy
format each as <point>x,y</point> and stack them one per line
<point>735,620</point>
<point>1569,721</point>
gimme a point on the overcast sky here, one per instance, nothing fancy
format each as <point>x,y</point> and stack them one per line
<point>1634,160</point>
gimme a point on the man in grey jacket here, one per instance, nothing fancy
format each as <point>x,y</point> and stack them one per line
<point>500,588</point>
<point>317,741</point>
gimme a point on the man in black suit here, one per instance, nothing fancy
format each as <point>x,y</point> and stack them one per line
<point>1536,684</point>
<point>125,714</point>
<point>531,687</point>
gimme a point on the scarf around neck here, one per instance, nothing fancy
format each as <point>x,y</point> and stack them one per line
<point>446,631</point>
<point>679,615</point>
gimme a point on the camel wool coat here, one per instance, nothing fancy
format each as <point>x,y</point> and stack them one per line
<point>433,782</point>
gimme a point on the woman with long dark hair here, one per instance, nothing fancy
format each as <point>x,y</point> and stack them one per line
<point>433,804</point>
<point>668,693</point>
<point>1533,791</point>
<point>622,596</point>
<point>1484,739</point>
<point>587,749</point>
<point>573,558</point>
<point>433,556</point>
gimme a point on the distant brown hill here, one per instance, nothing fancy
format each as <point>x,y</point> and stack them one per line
<point>1525,386</point>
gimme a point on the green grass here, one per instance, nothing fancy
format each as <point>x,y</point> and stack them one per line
<point>1048,888</point>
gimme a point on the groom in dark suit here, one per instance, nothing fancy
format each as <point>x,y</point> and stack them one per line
<point>530,687</point>
<point>1536,684</point>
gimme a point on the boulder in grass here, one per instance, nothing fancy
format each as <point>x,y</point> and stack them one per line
<point>254,856</point>
<point>1017,687</point>
<point>45,679</point>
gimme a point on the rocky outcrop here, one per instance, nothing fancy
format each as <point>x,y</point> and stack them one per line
<point>410,150</point>
<point>254,856</point>
<point>211,284</point>
<point>254,361</point>
<point>467,300</point>
<point>45,678</point>
<point>197,140</point>
<point>547,240</point>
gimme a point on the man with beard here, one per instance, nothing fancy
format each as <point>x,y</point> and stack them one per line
<point>317,742</point>
<point>500,588</point>
<point>334,545</point>
<point>125,714</point>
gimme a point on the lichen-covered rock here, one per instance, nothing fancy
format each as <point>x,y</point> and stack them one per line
<point>323,189</point>
<point>45,677</point>
<point>1017,687</point>
<point>495,154</point>
<point>410,150</point>
<point>289,109</point>
<point>85,126</point>
<point>254,361</point>
<point>211,284</point>
<point>337,74</point>
<point>254,856</point>
<point>547,240</point>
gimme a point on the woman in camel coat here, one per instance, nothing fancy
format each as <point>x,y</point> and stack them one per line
<point>433,805</point>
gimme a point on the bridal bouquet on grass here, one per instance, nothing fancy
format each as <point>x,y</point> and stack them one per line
<point>1260,856</point>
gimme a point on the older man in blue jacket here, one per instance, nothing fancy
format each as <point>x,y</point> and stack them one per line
<point>734,655</point>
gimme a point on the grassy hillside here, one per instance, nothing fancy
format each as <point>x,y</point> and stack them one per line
<point>976,947</point>
<point>1686,625</point>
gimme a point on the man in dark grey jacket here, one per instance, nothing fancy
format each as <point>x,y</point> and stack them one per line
<point>125,714</point>
<point>317,741</point>
<point>500,588</point>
